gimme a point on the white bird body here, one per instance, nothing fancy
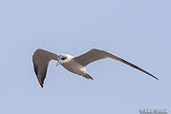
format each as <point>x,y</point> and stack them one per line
<point>74,67</point>
<point>77,65</point>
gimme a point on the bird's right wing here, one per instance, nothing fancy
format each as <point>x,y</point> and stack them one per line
<point>91,56</point>
<point>41,59</point>
<point>96,54</point>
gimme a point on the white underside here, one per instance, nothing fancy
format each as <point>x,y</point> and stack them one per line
<point>75,67</point>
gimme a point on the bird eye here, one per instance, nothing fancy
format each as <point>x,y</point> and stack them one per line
<point>63,58</point>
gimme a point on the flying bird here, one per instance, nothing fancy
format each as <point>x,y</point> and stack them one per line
<point>77,65</point>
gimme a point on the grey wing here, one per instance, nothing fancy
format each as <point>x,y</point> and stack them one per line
<point>96,54</point>
<point>41,59</point>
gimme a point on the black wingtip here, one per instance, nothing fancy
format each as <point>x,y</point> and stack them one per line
<point>40,82</point>
<point>41,85</point>
<point>155,77</point>
<point>136,67</point>
<point>152,75</point>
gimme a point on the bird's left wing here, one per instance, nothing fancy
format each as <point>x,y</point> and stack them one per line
<point>96,54</point>
<point>41,59</point>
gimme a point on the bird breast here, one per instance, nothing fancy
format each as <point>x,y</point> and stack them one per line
<point>74,67</point>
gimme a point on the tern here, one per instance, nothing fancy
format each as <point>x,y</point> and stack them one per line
<point>77,65</point>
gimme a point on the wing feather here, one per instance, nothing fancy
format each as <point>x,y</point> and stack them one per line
<point>96,54</point>
<point>41,59</point>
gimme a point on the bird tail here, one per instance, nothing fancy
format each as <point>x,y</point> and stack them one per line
<point>88,76</point>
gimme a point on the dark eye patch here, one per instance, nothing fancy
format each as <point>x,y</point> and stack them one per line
<point>63,58</point>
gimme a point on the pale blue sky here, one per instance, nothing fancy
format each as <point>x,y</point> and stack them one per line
<point>136,30</point>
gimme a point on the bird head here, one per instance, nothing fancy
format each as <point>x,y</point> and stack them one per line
<point>63,58</point>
